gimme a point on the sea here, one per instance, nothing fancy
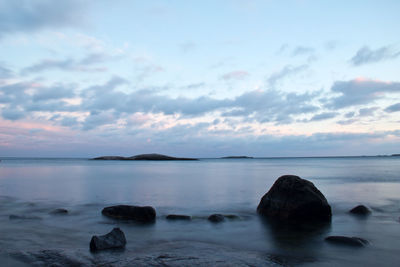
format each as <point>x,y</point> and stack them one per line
<point>31,235</point>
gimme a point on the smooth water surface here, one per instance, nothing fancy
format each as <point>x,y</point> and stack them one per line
<point>34,187</point>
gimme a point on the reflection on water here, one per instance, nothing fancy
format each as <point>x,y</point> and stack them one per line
<point>34,188</point>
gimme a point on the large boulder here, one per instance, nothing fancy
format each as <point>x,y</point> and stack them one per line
<point>114,239</point>
<point>294,199</point>
<point>126,212</point>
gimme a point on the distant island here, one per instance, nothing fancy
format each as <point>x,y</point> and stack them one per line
<point>142,157</point>
<point>237,157</point>
<point>395,155</point>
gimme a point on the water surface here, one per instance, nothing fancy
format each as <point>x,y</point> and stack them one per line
<point>34,187</point>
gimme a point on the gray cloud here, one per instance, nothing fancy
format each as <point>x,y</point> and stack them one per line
<point>12,113</point>
<point>393,108</point>
<point>365,112</point>
<point>360,92</point>
<point>302,50</point>
<point>324,116</point>
<point>5,72</point>
<point>54,92</point>
<point>235,75</point>
<point>366,55</point>
<point>28,16</point>
<point>286,71</point>
<point>188,46</point>
<point>96,119</point>
<point>85,64</point>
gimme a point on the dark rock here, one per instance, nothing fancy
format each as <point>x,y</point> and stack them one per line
<point>142,157</point>
<point>126,212</point>
<point>294,199</point>
<point>216,218</point>
<point>114,239</point>
<point>176,217</point>
<point>360,210</point>
<point>59,212</point>
<point>348,241</point>
<point>23,217</point>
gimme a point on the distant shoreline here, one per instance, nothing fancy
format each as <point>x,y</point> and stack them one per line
<point>228,157</point>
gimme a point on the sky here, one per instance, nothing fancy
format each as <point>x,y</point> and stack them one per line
<point>82,78</point>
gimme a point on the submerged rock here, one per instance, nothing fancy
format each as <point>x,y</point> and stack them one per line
<point>294,199</point>
<point>360,210</point>
<point>231,216</point>
<point>49,257</point>
<point>59,212</point>
<point>177,217</point>
<point>145,214</point>
<point>216,218</point>
<point>23,217</point>
<point>347,241</point>
<point>114,239</point>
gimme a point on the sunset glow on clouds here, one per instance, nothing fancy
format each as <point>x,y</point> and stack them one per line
<point>204,79</point>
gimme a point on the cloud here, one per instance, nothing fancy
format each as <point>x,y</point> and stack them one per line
<point>366,55</point>
<point>393,108</point>
<point>188,46</point>
<point>360,92</point>
<point>302,50</point>
<point>5,72</point>
<point>12,114</point>
<point>235,75</point>
<point>83,64</point>
<point>54,92</point>
<point>194,85</point>
<point>27,16</point>
<point>96,119</point>
<point>366,112</point>
<point>287,71</point>
<point>324,116</point>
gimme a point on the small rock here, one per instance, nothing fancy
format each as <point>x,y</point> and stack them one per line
<point>348,241</point>
<point>216,218</point>
<point>114,239</point>
<point>59,212</point>
<point>177,217</point>
<point>294,199</point>
<point>126,212</point>
<point>23,217</point>
<point>360,210</point>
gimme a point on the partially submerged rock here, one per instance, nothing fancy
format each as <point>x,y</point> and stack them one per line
<point>59,212</point>
<point>294,199</point>
<point>145,214</point>
<point>216,218</point>
<point>114,239</point>
<point>347,241</point>
<point>360,210</point>
<point>178,217</point>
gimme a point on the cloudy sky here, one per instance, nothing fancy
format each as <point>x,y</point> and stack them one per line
<point>199,78</point>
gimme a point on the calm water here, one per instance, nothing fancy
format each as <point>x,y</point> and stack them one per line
<point>34,187</point>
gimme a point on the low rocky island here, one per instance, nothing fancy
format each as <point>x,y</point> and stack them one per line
<point>152,156</point>
<point>237,157</point>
